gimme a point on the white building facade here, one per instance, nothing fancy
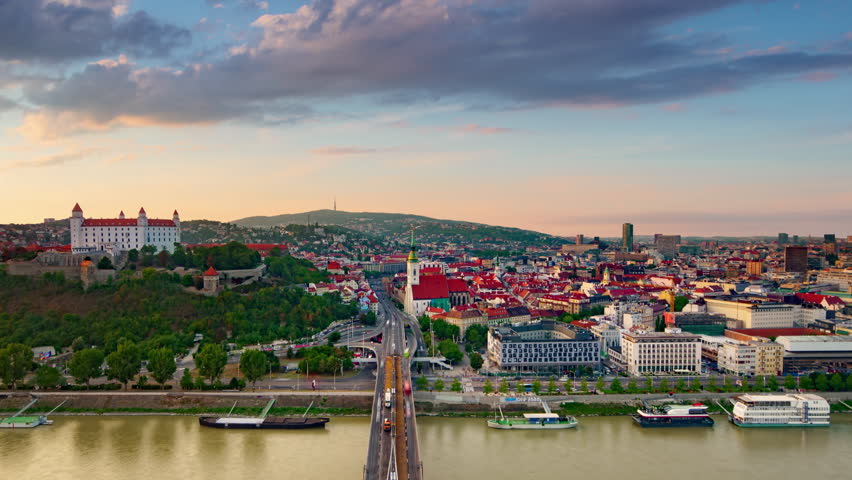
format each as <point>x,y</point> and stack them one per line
<point>121,234</point>
<point>655,353</point>
<point>757,314</point>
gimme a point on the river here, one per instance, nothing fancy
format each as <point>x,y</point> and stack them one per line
<point>161,448</point>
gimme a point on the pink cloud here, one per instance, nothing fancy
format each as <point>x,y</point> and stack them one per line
<point>674,107</point>
<point>339,151</point>
<point>818,77</point>
<point>482,130</point>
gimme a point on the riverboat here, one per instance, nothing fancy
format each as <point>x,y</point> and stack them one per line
<point>533,421</point>
<point>264,421</point>
<point>694,415</point>
<point>791,410</point>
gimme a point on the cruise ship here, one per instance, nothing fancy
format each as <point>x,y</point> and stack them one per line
<point>793,410</point>
<point>694,415</point>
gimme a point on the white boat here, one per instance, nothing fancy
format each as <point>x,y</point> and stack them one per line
<point>533,421</point>
<point>792,410</point>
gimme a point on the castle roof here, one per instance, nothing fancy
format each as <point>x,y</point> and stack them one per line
<point>142,211</point>
<point>211,272</point>
<point>77,208</point>
<point>125,222</point>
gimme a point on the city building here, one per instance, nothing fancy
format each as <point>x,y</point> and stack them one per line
<point>754,268</point>
<point>796,259</point>
<point>756,313</point>
<point>545,345</point>
<point>608,334</point>
<point>661,352</point>
<point>841,278</point>
<point>426,285</point>
<point>114,235</point>
<point>627,237</point>
<point>667,245</point>
<point>751,358</point>
<point>697,323</point>
<point>783,239</point>
<point>811,352</point>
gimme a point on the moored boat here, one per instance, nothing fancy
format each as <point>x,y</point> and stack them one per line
<point>533,421</point>
<point>18,420</point>
<point>791,410</point>
<point>264,421</point>
<point>694,415</point>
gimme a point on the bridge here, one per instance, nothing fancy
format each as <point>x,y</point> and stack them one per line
<point>393,452</point>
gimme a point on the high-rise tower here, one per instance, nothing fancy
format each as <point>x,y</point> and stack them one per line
<point>627,237</point>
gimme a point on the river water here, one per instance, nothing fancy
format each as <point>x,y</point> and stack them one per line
<point>154,448</point>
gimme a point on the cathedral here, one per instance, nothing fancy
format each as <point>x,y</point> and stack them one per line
<point>426,285</point>
<point>114,235</point>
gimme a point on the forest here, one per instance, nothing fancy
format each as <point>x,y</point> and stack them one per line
<point>154,311</point>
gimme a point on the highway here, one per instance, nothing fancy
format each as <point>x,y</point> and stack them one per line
<point>394,454</point>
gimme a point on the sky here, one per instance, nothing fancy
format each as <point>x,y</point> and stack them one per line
<point>701,117</point>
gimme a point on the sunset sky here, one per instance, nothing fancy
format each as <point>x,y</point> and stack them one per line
<point>699,117</point>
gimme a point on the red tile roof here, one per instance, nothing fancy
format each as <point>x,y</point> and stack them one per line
<point>160,223</point>
<point>431,286</point>
<point>456,285</point>
<point>109,222</point>
<point>211,272</point>
<point>77,208</point>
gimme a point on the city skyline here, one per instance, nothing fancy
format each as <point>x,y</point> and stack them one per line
<point>707,118</point>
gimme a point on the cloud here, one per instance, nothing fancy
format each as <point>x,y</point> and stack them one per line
<point>6,104</point>
<point>506,53</point>
<point>482,130</point>
<point>52,160</point>
<point>336,151</point>
<point>55,30</point>
<point>818,77</point>
<point>248,4</point>
<point>674,107</point>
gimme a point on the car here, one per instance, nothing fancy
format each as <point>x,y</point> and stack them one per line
<point>387,426</point>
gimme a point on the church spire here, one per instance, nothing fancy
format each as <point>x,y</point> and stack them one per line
<point>412,255</point>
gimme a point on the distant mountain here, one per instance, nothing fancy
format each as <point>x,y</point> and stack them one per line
<point>396,225</point>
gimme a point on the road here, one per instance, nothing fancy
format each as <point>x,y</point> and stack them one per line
<point>394,454</point>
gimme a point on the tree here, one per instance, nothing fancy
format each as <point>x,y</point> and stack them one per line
<point>211,361</point>
<point>456,386</point>
<point>772,384</point>
<point>253,364</point>
<point>680,302</point>
<point>759,383</point>
<point>519,387</point>
<point>161,364</point>
<point>664,385</point>
<point>333,338</point>
<point>15,361</point>
<point>124,363</point>
<point>439,385</point>
<point>476,361</point>
<point>86,365</point>
<point>615,386</point>
<point>599,385</point>
<point>805,383</point>
<point>649,384</point>
<point>551,386</point>
<point>789,382</point>
<point>681,385</point>
<point>695,385</point>
<point>47,377</point>
<point>476,336</point>
<point>711,385</point>
<point>536,387</point>
<point>450,351</point>
<point>632,387</point>
<point>821,382</point>
<point>584,386</point>
<point>729,386</point>
<point>422,383</point>
<point>487,387</point>
<point>133,255</point>
<point>569,386</point>
<point>105,264</point>
<point>849,382</point>
<point>504,386</point>
<point>186,381</point>
<point>78,344</point>
<point>837,382</point>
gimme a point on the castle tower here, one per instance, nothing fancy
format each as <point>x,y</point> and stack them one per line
<point>76,226</point>
<point>142,220</point>
<point>121,215</point>
<point>176,219</point>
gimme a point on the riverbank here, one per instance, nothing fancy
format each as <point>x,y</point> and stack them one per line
<point>337,403</point>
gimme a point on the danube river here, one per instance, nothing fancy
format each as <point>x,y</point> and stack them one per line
<point>139,447</point>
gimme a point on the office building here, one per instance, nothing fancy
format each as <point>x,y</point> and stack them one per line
<point>796,259</point>
<point>661,352</point>
<point>579,239</point>
<point>667,245</point>
<point>545,345</point>
<point>751,358</point>
<point>756,313</point>
<point>627,237</point>
<point>783,239</point>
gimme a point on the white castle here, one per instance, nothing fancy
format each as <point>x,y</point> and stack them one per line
<point>120,234</point>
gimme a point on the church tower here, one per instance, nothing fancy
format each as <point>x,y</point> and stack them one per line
<point>606,277</point>
<point>176,219</point>
<point>413,269</point>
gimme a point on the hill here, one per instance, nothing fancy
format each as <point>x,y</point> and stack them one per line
<point>395,226</point>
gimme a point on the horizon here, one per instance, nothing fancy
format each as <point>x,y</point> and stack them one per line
<point>720,117</point>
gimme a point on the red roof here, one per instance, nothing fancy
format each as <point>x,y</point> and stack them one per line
<point>817,298</point>
<point>175,213</point>
<point>160,223</point>
<point>211,272</point>
<point>456,285</point>
<point>77,208</point>
<point>431,286</point>
<point>142,210</point>
<point>109,222</point>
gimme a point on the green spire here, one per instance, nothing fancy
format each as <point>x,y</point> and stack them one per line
<point>412,255</point>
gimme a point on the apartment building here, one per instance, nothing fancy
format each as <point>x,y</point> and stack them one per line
<point>661,352</point>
